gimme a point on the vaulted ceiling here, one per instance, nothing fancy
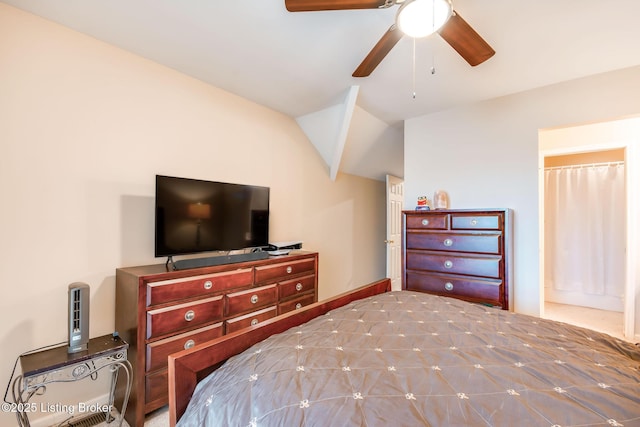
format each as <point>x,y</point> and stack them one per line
<point>301,63</point>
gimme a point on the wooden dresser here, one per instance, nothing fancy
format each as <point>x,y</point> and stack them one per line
<point>458,253</point>
<point>160,312</point>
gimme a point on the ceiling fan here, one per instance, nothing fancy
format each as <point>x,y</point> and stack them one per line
<point>415,18</point>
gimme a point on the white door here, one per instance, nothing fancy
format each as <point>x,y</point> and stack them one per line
<point>395,200</point>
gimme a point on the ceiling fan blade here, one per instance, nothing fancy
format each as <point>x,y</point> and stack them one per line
<point>466,41</point>
<point>312,5</point>
<point>379,51</point>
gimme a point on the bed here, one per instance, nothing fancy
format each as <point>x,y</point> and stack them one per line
<point>373,357</point>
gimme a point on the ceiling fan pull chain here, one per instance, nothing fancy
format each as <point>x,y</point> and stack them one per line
<point>433,23</point>
<point>414,69</point>
<point>433,63</point>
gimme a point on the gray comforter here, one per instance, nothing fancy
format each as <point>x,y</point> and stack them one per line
<point>412,359</point>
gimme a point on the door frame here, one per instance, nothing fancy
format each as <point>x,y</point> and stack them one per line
<point>632,187</point>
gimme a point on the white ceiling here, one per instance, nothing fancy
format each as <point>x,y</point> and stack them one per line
<point>299,63</point>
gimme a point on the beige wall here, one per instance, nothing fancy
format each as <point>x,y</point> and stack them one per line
<point>486,155</point>
<point>84,128</point>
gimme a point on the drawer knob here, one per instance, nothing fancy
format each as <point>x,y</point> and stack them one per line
<point>289,269</point>
<point>189,344</point>
<point>254,299</point>
<point>208,284</point>
<point>448,242</point>
<point>189,315</point>
<point>299,287</point>
<point>448,286</point>
<point>425,222</point>
<point>298,305</point>
<point>474,222</point>
<point>254,322</point>
<point>448,264</point>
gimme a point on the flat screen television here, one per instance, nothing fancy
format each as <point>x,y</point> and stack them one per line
<point>194,216</point>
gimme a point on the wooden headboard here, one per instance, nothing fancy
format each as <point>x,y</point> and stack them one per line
<point>187,367</point>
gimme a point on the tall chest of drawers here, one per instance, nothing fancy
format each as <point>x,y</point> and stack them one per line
<point>463,254</point>
<point>160,312</point>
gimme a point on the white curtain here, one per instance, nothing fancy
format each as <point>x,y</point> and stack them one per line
<point>585,229</point>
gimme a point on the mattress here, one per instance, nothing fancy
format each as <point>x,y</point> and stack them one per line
<point>412,359</point>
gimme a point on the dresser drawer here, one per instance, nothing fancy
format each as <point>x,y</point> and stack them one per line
<point>481,243</point>
<point>275,272</point>
<point>427,222</point>
<point>476,222</point>
<point>299,286</point>
<point>157,386</point>
<point>189,315</point>
<point>251,319</point>
<point>251,299</point>
<point>196,286</point>
<point>486,291</point>
<point>296,303</point>
<point>158,351</point>
<point>486,266</point>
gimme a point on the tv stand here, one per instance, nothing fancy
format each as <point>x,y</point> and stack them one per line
<point>185,264</point>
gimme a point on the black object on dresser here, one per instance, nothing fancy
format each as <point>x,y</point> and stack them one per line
<point>161,312</point>
<point>463,254</point>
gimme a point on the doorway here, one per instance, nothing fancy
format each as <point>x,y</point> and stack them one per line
<point>619,135</point>
<point>395,200</point>
<point>584,223</point>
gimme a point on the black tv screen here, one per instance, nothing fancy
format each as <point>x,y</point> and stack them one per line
<point>194,216</point>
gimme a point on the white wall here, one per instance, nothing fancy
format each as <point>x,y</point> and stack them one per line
<point>84,128</point>
<point>486,155</point>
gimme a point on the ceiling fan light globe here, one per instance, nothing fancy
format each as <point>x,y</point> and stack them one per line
<point>420,18</point>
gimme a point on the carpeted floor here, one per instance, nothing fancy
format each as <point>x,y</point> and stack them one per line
<point>609,322</point>
<point>158,418</point>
